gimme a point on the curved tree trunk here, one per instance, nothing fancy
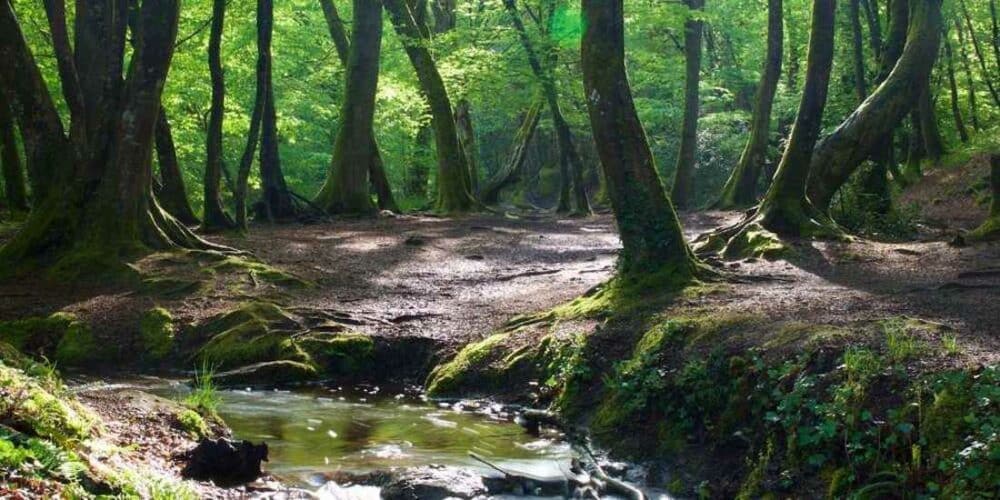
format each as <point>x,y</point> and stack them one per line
<point>376,171</point>
<point>346,188</point>
<point>741,188</point>
<point>214,217</point>
<point>277,200</point>
<point>840,153</point>
<point>687,156</point>
<point>454,193</point>
<point>10,159</point>
<point>108,214</point>
<point>571,165</point>
<point>956,107</point>
<point>651,235</point>
<point>172,193</point>
<point>513,168</point>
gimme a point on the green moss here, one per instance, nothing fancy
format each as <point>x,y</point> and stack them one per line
<point>36,334</point>
<point>157,331</point>
<point>339,353</point>
<point>448,377</point>
<point>192,423</point>
<point>248,343</point>
<point>258,270</point>
<point>41,407</point>
<point>987,231</point>
<point>78,347</point>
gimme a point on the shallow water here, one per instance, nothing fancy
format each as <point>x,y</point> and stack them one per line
<point>314,433</point>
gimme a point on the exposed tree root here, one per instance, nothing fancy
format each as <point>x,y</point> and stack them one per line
<point>764,232</point>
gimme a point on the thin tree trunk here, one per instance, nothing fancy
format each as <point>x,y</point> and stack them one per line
<point>956,108</point>
<point>240,193</point>
<point>278,202</point>
<point>467,137</point>
<point>13,176</point>
<point>379,179</point>
<point>687,156</point>
<point>933,143</point>
<point>990,229</point>
<point>840,153</point>
<point>214,217</point>
<point>874,26</point>
<point>995,30</point>
<point>969,78</point>
<point>346,187</point>
<point>571,163</point>
<point>857,50</point>
<point>915,152</point>
<point>513,169</point>
<point>977,47</point>
<point>172,193</point>
<point>454,193</point>
<point>741,188</point>
<point>651,234</point>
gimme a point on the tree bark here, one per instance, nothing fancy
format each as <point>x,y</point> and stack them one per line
<point>915,152</point>
<point>741,188</point>
<point>172,194</point>
<point>513,168</point>
<point>346,188</point>
<point>454,193</point>
<point>933,143</point>
<point>467,138</point>
<point>379,179</point>
<point>840,153</point>
<point>857,50</point>
<point>687,156</point>
<point>956,107</point>
<point>13,176</point>
<point>874,26</point>
<point>969,79</point>
<point>978,49</point>
<point>995,30</point>
<point>990,229</point>
<point>240,193</point>
<point>108,213</point>
<point>651,234</point>
<point>571,163</point>
<point>277,200</point>
<point>214,217</point>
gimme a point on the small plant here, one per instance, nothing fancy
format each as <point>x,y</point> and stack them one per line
<point>901,345</point>
<point>192,423</point>
<point>950,344</point>
<point>861,364</point>
<point>204,397</point>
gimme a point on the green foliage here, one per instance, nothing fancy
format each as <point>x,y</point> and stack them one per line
<point>204,397</point>
<point>157,331</point>
<point>192,423</point>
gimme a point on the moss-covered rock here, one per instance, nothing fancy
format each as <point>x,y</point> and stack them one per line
<point>78,347</point>
<point>37,335</point>
<point>338,353</point>
<point>193,423</point>
<point>268,373</point>
<point>157,332</point>
<point>249,343</point>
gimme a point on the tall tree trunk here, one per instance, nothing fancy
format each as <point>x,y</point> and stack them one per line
<point>915,152</point>
<point>977,47</point>
<point>278,202</point>
<point>240,193</point>
<point>687,156</point>
<point>214,217</point>
<point>969,78</point>
<point>990,230</point>
<point>840,153</point>
<point>933,143</point>
<point>172,193</point>
<point>995,30</point>
<point>513,168</point>
<point>376,171</point>
<point>454,190</point>
<point>467,138</point>
<point>651,234</point>
<point>571,163</point>
<point>108,212</point>
<point>874,26</point>
<point>741,188</point>
<point>956,107</point>
<point>857,50</point>
<point>786,210</point>
<point>346,186</point>
<point>418,174</point>
<point>444,15</point>
<point>10,159</point>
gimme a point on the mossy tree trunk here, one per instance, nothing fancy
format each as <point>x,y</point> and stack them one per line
<point>454,189</point>
<point>915,152</point>
<point>741,187</point>
<point>990,230</point>
<point>346,188</point>
<point>933,143</point>
<point>840,153</point>
<point>870,9</point>
<point>100,210</point>
<point>857,50</point>
<point>956,106</point>
<point>376,171</point>
<point>970,84</point>
<point>513,168</point>
<point>687,156</point>
<point>10,161</point>
<point>571,165</point>
<point>652,240</point>
<point>170,190</point>
<point>278,203</point>
<point>214,217</point>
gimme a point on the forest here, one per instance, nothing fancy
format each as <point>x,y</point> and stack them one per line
<point>430,249</point>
